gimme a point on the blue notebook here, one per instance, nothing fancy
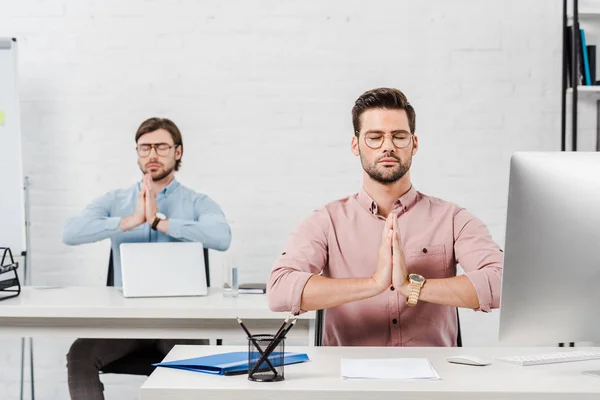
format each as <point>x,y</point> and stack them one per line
<point>233,363</point>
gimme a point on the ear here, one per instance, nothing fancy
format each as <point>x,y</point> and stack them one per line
<point>178,152</point>
<point>354,146</point>
<point>415,145</point>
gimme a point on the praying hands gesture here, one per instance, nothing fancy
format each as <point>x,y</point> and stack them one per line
<point>391,264</point>
<point>146,208</point>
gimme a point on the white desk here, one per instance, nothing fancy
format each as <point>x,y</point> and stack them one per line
<point>103,312</point>
<point>320,378</point>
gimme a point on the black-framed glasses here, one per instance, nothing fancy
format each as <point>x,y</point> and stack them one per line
<point>162,149</point>
<point>374,140</point>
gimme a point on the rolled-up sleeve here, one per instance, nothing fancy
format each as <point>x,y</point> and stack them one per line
<point>480,257</point>
<point>304,255</point>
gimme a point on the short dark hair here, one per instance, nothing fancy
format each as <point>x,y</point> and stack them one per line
<point>385,98</point>
<point>152,124</point>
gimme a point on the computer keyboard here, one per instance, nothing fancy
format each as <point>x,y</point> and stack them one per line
<point>551,358</point>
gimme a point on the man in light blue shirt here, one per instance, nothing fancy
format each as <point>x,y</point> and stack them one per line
<point>157,209</point>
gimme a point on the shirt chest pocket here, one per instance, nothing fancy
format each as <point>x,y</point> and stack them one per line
<point>427,260</point>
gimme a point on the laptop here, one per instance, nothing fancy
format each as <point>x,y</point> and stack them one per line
<point>164,269</point>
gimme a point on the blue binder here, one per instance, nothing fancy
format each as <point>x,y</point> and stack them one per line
<point>232,363</point>
<point>586,64</point>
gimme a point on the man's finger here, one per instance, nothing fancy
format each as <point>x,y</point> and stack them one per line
<point>386,228</point>
<point>397,270</point>
<point>396,250</point>
<point>386,247</point>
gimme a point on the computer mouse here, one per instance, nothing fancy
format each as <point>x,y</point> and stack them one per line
<point>468,360</point>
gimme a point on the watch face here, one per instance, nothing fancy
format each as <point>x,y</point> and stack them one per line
<point>161,216</point>
<point>416,278</point>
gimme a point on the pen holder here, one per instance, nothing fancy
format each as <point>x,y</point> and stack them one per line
<point>271,369</point>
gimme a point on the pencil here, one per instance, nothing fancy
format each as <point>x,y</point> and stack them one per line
<point>285,321</point>
<point>244,327</point>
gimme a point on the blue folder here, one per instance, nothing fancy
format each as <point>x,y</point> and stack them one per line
<point>232,363</point>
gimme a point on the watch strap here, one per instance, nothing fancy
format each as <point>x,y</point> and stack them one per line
<point>155,223</point>
<point>414,293</point>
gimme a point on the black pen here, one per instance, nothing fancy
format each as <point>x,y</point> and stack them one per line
<point>279,336</point>
<point>255,344</point>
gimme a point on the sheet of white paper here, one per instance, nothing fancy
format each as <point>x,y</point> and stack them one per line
<point>388,368</point>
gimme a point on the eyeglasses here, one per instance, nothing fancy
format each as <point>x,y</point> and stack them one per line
<point>374,140</point>
<point>162,149</point>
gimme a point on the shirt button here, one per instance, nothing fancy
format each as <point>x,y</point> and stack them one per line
<point>394,321</point>
<point>424,250</point>
<point>392,288</point>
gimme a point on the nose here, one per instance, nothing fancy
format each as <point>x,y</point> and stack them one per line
<point>153,150</point>
<point>388,144</point>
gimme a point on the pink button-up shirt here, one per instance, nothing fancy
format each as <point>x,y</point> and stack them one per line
<point>341,240</point>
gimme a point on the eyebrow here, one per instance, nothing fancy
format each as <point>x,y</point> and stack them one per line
<point>392,132</point>
<point>156,144</point>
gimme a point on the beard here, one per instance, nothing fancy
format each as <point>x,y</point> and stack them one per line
<point>158,174</point>
<point>386,175</point>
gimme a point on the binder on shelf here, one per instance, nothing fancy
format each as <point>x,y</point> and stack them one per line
<point>586,64</point>
<point>256,288</point>
<point>591,52</point>
<point>568,47</point>
<point>580,79</point>
<point>9,280</point>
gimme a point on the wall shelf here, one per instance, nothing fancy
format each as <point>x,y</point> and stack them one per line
<point>586,89</point>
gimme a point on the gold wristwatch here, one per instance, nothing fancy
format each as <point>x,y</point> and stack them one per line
<point>416,283</point>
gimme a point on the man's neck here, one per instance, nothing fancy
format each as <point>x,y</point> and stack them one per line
<point>386,194</point>
<point>158,186</point>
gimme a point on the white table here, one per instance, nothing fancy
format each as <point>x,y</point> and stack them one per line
<point>103,312</point>
<point>320,378</point>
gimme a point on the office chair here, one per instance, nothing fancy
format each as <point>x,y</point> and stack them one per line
<point>140,362</point>
<point>319,329</point>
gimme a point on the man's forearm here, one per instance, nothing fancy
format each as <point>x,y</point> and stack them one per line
<point>455,292</point>
<point>129,223</point>
<point>81,230</point>
<point>212,231</point>
<point>321,292</point>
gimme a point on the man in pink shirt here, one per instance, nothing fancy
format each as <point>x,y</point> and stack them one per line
<point>382,262</point>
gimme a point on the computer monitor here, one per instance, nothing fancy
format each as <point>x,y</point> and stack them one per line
<point>551,276</point>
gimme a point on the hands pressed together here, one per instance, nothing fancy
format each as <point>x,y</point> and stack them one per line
<point>391,264</point>
<point>146,208</point>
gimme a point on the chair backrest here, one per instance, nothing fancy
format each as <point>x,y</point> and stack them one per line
<point>110,277</point>
<point>458,336</point>
<point>319,328</point>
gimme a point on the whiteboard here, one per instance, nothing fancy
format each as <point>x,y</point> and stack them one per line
<point>12,208</point>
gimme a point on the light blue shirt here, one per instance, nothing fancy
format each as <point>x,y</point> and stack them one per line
<point>193,217</point>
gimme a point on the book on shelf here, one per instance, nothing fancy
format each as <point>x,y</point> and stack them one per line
<point>591,51</point>
<point>586,60</point>
<point>586,65</point>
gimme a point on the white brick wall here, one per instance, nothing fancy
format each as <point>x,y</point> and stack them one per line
<point>262,91</point>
